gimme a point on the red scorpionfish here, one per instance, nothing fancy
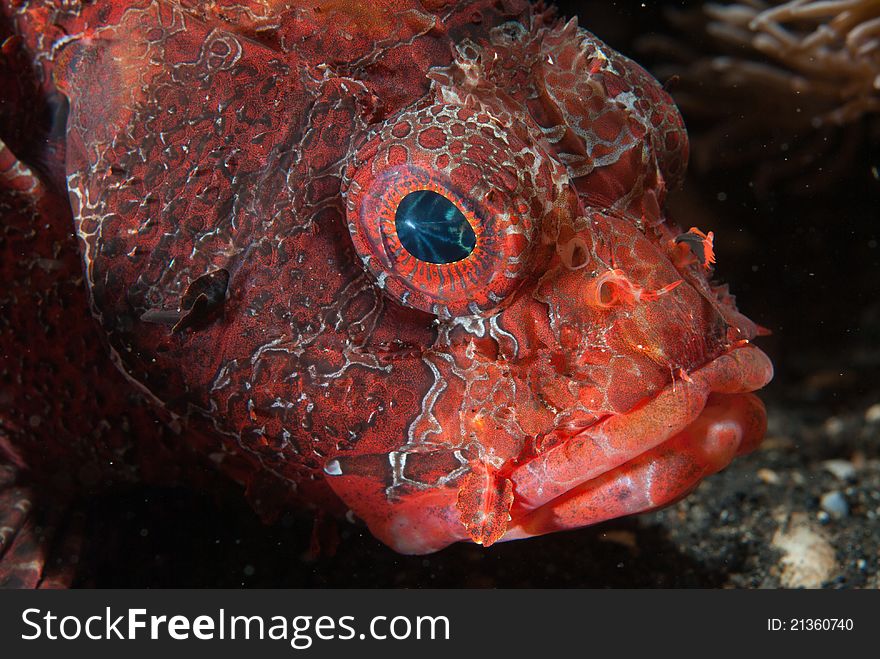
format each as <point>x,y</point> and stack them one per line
<point>407,259</point>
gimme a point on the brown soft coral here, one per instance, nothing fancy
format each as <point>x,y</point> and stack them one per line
<point>784,78</point>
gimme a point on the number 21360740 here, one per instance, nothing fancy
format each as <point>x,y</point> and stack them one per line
<point>809,624</point>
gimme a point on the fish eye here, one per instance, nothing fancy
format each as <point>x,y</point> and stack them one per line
<point>443,205</point>
<point>433,229</point>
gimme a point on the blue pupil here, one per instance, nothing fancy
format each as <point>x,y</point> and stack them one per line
<point>431,228</point>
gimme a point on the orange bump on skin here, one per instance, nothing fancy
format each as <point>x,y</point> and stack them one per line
<point>484,502</point>
<point>693,245</point>
<point>614,287</point>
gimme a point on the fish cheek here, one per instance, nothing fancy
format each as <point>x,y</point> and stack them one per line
<point>400,478</point>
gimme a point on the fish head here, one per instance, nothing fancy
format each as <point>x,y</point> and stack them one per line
<point>584,364</point>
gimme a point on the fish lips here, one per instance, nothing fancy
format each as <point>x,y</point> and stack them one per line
<point>646,458</point>
<point>650,456</point>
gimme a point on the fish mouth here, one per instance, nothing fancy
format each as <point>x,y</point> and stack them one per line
<point>645,458</point>
<point>648,457</point>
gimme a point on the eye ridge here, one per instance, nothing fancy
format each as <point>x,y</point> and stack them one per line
<point>433,229</point>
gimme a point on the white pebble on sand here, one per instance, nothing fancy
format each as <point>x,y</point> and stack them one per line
<point>842,469</point>
<point>872,414</point>
<point>768,476</point>
<point>834,503</point>
<point>808,559</point>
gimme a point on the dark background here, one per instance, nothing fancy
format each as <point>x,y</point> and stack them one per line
<point>803,261</point>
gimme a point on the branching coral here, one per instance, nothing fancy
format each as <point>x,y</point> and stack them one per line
<point>785,77</point>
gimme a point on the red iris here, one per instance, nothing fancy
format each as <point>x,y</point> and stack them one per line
<point>467,159</point>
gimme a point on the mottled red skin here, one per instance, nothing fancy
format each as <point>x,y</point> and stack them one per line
<point>578,366</point>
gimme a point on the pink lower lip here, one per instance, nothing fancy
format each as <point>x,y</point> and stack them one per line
<point>729,425</point>
<point>615,440</point>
